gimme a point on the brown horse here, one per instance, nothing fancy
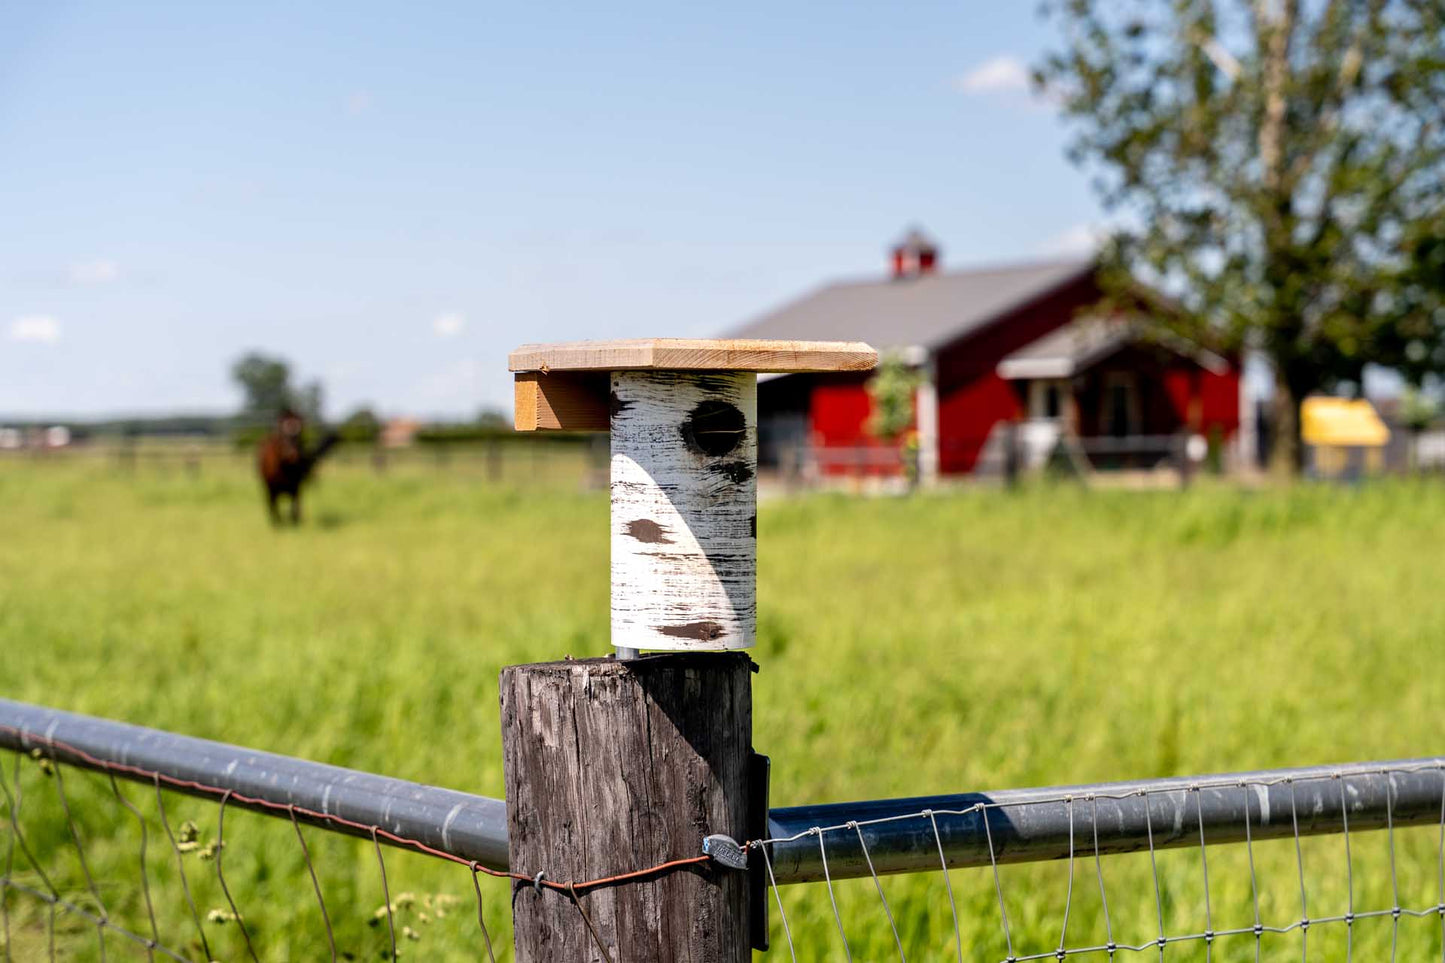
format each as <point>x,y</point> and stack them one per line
<point>285,464</point>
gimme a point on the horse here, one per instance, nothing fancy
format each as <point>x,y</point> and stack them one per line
<point>285,464</point>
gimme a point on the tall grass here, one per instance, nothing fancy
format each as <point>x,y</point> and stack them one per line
<point>973,640</point>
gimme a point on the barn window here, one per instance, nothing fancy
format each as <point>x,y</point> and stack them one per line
<point>1046,400</point>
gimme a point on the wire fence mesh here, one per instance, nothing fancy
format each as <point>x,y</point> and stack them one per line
<point>178,902</point>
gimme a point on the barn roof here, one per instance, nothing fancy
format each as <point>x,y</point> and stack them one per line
<point>1065,351</point>
<point>927,311</point>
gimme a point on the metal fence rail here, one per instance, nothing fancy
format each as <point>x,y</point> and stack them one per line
<point>899,835</point>
<point>1029,825</point>
<point>466,826</point>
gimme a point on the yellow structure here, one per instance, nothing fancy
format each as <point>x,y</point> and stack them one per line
<point>1343,423</point>
<point>1332,426</point>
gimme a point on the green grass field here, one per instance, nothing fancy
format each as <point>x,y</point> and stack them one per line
<point>964,641</point>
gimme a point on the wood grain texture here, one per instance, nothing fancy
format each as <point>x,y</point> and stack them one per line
<point>614,766</point>
<point>563,401</point>
<point>683,354</point>
<point>684,509</point>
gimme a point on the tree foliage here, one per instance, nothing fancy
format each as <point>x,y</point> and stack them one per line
<point>362,426</point>
<point>265,382</point>
<point>1417,409</point>
<point>494,418</point>
<point>1279,166</point>
<point>891,391</point>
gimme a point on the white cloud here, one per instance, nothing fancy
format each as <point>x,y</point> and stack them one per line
<point>100,271</point>
<point>358,102</point>
<point>36,329</point>
<point>448,324</point>
<point>1077,241</point>
<point>1002,74</point>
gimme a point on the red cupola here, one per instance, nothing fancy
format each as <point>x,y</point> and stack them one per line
<point>915,255</point>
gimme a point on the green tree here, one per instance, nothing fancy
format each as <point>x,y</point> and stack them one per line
<point>892,392</point>
<point>265,382</point>
<point>1280,169</point>
<point>362,426</point>
<point>494,418</point>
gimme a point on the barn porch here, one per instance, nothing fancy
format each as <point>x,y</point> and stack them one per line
<point>1110,397</point>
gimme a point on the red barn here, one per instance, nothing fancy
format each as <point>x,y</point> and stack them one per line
<point>1019,346</point>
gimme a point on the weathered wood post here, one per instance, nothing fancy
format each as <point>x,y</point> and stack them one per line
<point>623,764</point>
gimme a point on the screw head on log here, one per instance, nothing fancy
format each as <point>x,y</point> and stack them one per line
<point>683,418</point>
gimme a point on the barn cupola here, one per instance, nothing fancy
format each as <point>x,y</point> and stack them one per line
<point>914,256</point>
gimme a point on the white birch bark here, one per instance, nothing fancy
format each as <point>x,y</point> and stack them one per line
<point>684,509</point>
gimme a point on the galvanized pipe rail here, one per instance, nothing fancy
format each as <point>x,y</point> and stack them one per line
<point>1031,825</point>
<point>467,826</point>
<point>1023,825</point>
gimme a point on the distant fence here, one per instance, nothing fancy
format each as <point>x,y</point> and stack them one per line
<point>1012,451</point>
<point>529,460</point>
<point>807,844</point>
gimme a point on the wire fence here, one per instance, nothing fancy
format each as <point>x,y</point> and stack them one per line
<point>184,888</point>
<point>1337,862</point>
<point>1080,826</point>
<point>71,908</point>
<point>442,824</point>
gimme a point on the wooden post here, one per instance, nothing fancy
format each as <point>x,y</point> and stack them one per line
<point>494,461</point>
<point>619,765</point>
<point>926,408</point>
<point>613,766</point>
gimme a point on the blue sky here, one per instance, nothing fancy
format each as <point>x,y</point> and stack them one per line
<point>393,196</point>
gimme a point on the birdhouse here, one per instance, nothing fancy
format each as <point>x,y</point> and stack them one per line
<point>683,418</point>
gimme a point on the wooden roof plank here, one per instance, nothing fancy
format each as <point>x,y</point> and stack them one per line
<point>688,354</point>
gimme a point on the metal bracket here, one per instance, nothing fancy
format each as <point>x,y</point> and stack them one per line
<point>759,774</point>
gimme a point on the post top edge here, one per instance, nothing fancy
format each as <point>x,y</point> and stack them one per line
<point>651,660</point>
<point>695,354</point>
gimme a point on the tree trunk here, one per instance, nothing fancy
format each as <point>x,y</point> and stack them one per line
<point>1286,447</point>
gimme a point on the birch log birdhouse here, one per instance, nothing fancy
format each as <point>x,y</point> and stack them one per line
<point>683,416</point>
